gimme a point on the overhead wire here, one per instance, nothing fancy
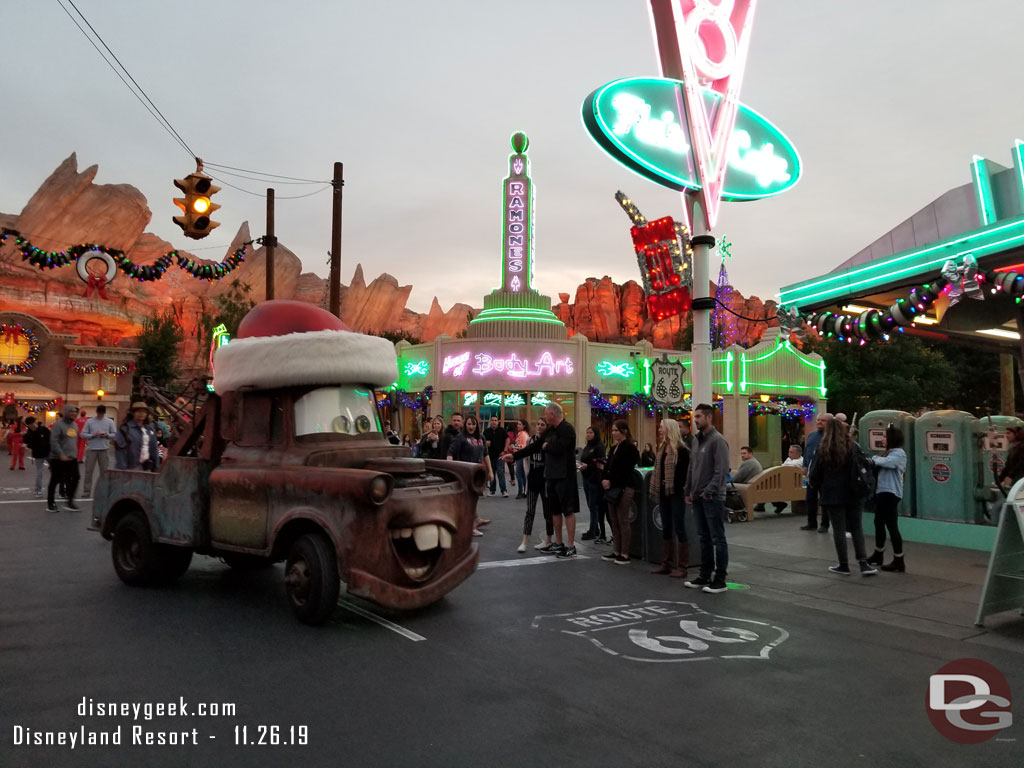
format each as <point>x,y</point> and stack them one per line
<point>159,116</point>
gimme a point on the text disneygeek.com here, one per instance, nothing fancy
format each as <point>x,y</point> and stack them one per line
<point>88,735</point>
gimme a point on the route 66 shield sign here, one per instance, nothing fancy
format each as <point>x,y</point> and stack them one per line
<point>665,631</point>
<point>667,382</point>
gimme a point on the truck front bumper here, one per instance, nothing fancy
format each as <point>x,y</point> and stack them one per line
<point>366,585</point>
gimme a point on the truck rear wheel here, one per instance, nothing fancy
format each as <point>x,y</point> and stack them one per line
<point>135,557</point>
<point>311,578</point>
<point>172,562</point>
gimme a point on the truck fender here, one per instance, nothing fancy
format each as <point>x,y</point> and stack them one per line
<point>124,505</point>
<point>294,523</point>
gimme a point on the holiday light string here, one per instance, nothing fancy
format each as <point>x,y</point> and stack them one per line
<point>879,325</point>
<point>49,405</point>
<point>600,402</point>
<point>419,401</point>
<point>44,259</point>
<point>13,331</point>
<point>783,408</point>
<point>86,369</point>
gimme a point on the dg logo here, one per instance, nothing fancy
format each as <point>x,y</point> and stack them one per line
<point>664,631</point>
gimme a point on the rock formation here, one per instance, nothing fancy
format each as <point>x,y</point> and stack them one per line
<point>70,208</point>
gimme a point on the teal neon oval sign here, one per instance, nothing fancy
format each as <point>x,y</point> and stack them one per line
<point>637,121</point>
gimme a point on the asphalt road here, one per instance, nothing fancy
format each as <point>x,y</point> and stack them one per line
<point>532,662</point>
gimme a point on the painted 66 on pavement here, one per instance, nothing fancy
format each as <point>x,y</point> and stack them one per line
<point>286,462</point>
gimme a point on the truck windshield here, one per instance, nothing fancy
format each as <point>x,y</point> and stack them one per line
<point>348,410</point>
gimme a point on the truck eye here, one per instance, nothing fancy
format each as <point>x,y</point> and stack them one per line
<point>362,424</point>
<point>342,424</point>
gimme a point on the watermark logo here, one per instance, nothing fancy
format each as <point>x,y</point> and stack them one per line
<point>969,701</point>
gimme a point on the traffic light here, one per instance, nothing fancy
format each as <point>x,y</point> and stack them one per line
<point>196,205</point>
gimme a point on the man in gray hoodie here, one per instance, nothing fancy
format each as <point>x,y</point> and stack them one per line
<point>705,489</point>
<point>64,458</point>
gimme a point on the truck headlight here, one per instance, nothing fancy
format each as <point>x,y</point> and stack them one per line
<point>380,489</point>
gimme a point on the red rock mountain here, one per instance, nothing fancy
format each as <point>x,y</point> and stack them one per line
<point>70,208</point>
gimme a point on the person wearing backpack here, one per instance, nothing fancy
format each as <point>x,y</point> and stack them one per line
<point>891,467</point>
<point>834,475</point>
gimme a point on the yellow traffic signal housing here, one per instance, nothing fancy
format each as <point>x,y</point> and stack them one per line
<point>196,205</point>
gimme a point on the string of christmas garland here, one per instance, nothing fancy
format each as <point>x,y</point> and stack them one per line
<point>14,330</point>
<point>782,408</point>
<point>417,402</point>
<point>879,325</point>
<point>44,259</point>
<point>25,405</point>
<point>599,402</point>
<point>85,369</point>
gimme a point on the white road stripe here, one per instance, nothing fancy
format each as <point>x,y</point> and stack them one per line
<point>408,633</point>
<point>526,561</point>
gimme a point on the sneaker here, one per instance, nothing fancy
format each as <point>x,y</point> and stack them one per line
<point>51,507</point>
<point>842,569</point>
<point>504,494</point>
<point>621,560</point>
<point>610,557</point>
<point>808,527</point>
<point>556,549</point>
<point>568,552</point>
<point>823,530</point>
<point>699,583</point>
<point>521,548</point>
<point>543,546</point>
<point>588,536</point>
<point>716,586</point>
<point>72,507</point>
<point>600,540</point>
<point>477,532</point>
<point>38,494</point>
<point>866,569</point>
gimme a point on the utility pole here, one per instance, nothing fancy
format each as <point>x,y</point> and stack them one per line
<point>335,278</point>
<point>270,242</point>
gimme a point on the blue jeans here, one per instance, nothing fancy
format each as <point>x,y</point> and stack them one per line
<point>521,476</point>
<point>595,503</point>
<point>499,474</point>
<point>714,552</point>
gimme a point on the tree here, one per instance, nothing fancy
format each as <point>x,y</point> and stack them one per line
<point>231,306</point>
<point>161,334</point>
<point>904,375</point>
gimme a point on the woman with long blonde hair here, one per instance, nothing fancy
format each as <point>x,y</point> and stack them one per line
<point>667,480</point>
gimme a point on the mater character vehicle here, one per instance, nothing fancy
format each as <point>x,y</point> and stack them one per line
<point>286,462</point>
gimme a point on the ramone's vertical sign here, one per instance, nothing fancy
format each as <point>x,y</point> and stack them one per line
<point>517,214</point>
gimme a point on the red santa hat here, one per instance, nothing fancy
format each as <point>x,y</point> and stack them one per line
<point>292,343</point>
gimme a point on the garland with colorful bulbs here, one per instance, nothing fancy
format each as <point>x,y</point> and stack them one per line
<point>601,403</point>
<point>417,402</point>
<point>780,407</point>
<point>13,331</point>
<point>879,325</point>
<point>49,405</point>
<point>145,273</point>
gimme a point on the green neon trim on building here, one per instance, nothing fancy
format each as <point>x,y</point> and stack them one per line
<point>923,261</point>
<point>983,190</point>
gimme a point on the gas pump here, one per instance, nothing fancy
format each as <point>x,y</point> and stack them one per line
<point>871,435</point>
<point>951,483</point>
<point>994,446</point>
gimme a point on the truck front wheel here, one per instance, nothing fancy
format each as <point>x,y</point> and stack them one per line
<point>311,578</point>
<point>135,557</point>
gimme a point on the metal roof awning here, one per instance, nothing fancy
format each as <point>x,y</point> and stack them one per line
<point>28,390</point>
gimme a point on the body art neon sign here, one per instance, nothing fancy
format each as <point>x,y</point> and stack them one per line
<point>513,366</point>
<point>760,160</point>
<point>607,368</point>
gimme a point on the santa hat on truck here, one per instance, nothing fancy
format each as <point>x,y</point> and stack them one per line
<point>292,343</point>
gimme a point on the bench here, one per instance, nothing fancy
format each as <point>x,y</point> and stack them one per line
<point>773,484</point>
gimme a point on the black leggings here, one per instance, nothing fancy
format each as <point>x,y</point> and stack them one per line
<point>531,512</point>
<point>63,473</point>
<point>887,516</point>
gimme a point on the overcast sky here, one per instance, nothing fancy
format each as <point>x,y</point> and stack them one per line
<point>885,101</point>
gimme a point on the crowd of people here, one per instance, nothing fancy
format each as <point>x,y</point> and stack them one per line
<point>690,475</point>
<point>75,438</point>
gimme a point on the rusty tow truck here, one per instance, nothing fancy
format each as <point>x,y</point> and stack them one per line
<point>286,461</point>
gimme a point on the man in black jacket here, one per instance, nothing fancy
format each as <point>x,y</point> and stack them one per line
<point>453,429</point>
<point>559,445</point>
<point>37,440</point>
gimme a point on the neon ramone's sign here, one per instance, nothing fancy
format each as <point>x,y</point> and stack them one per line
<point>513,366</point>
<point>636,121</point>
